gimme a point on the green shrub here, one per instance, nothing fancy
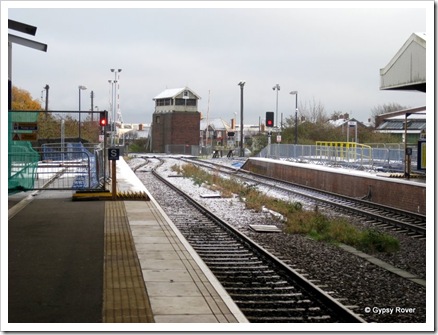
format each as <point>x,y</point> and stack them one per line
<point>312,223</point>
<point>372,240</point>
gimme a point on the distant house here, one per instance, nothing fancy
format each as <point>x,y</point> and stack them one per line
<point>216,132</point>
<point>134,130</point>
<point>395,123</point>
<point>348,126</point>
<point>175,121</point>
<point>341,122</point>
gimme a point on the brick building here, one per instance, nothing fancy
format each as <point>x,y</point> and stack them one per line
<point>175,122</point>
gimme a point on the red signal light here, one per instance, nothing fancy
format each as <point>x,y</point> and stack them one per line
<point>269,119</point>
<point>103,119</point>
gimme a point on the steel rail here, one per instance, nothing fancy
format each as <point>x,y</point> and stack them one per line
<point>392,216</point>
<point>343,313</point>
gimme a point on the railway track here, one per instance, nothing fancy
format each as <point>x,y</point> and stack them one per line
<point>353,281</point>
<point>264,288</point>
<point>387,217</point>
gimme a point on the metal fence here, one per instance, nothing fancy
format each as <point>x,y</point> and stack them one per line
<point>182,149</point>
<point>57,166</point>
<point>22,166</point>
<point>391,157</point>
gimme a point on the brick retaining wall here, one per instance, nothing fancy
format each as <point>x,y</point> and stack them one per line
<point>398,193</point>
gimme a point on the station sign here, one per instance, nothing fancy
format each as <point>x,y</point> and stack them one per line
<point>113,154</point>
<point>32,126</point>
<point>24,136</point>
<point>421,155</point>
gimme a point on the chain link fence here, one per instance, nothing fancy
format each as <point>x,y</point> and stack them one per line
<point>389,157</point>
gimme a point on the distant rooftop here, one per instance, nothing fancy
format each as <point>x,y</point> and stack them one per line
<point>173,92</point>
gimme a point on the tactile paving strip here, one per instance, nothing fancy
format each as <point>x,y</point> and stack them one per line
<point>125,297</point>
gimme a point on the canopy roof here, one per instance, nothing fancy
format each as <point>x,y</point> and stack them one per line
<point>407,69</point>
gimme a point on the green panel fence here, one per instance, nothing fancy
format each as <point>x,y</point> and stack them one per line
<point>22,158</point>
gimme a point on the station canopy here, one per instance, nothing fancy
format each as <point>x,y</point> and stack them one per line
<point>407,69</point>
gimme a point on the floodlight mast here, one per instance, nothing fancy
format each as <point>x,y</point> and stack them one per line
<point>81,87</point>
<point>276,88</point>
<point>241,84</point>
<point>115,103</point>
<point>296,115</point>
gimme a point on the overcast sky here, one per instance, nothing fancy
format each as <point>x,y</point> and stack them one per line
<point>331,56</point>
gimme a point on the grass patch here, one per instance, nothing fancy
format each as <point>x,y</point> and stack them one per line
<point>298,221</point>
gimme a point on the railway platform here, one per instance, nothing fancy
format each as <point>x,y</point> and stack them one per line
<point>102,263</point>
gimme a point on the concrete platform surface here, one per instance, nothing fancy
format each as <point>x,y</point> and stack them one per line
<point>105,265</point>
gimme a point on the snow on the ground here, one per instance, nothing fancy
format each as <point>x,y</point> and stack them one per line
<point>126,178</point>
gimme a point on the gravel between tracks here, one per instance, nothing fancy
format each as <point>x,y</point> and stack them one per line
<point>363,284</point>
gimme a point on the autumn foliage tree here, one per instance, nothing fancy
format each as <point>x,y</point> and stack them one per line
<point>50,124</point>
<point>22,100</point>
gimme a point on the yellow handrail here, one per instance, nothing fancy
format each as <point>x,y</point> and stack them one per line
<point>343,151</point>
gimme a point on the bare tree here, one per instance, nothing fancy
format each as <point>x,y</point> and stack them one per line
<point>385,108</point>
<point>313,112</point>
<point>308,111</point>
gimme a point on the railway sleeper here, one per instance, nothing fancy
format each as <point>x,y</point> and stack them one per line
<point>224,257</point>
<point>271,319</point>
<point>241,269</point>
<point>266,286</point>
<point>224,252</point>
<point>195,233</point>
<point>217,242</point>
<point>277,303</point>
<point>276,311</point>
<point>256,314</point>
<point>261,289</point>
<point>305,314</point>
<point>233,262</point>
<point>245,273</point>
<point>196,244</point>
<point>270,300</point>
<point>216,248</point>
<point>245,265</point>
<point>246,279</point>
<point>267,295</point>
<point>265,279</point>
<point>211,232</point>
<point>214,258</point>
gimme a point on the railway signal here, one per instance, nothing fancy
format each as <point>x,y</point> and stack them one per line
<point>269,119</point>
<point>103,120</point>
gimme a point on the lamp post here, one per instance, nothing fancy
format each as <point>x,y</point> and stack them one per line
<point>407,152</point>
<point>112,108</point>
<point>241,84</point>
<point>80,89</point>
<point>276,88</point>
<point>116,99</point>
<point>47,97</point>
<point>296,115</point>
<point>92,105</point>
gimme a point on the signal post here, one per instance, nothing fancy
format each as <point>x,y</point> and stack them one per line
<point>269,124</point>
<point>103,122</point>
